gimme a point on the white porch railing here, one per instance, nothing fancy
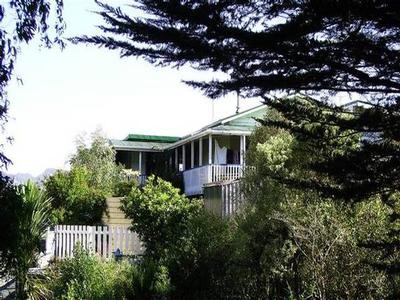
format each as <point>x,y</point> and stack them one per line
<point>194,179</point>
<point>226,172</point>
<point>102,240</point>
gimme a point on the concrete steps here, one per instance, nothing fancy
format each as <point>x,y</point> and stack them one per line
<point>115,214</point>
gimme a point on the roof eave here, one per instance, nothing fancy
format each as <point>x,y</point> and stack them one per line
<point>137,149</point>
<point>198,135</point>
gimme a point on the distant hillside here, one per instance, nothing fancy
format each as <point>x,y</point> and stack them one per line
<point>20,178</point>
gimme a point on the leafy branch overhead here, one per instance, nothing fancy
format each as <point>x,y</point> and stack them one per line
<point>264,46</point>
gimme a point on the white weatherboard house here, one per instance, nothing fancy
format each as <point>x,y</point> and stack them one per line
<point>212,154</point>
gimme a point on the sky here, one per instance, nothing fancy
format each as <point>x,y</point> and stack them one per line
<point>83,88</point>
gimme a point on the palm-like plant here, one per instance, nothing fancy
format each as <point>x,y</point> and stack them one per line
<point>32,224</point>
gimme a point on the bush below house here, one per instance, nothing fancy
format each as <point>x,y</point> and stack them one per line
<point>87,277</point>
<point>73,200</point>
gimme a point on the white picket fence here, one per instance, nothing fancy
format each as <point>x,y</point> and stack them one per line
<point>102,240</point>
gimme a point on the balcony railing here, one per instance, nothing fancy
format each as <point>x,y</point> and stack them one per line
<point>225,172</point>
<point>194,179</point>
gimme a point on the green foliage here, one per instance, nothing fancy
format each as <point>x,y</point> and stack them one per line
<point>37,287</point>
<point>24,216</point>
<point>352,156</point>
<point>123,188</point>
<point>331,261</point>
<point>98,158</point>
<point>274,152</point>
<point>190,243</point>
<point>373,220</point>
<point>302,249</point>
<point>200,258</point>
<point>295,243</point>
<point>86,277</point>
<point>74,201</point>
<point>159,214</point>
<point>150,281</point>
<point>11,205</point>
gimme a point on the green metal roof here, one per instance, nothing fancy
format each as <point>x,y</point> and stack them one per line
<point>151,138</point>
<point>136,146</point>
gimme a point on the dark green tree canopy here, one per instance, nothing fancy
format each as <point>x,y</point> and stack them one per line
<point>356,152</point>
<point>269,45</point>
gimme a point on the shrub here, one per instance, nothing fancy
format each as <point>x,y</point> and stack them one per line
<point>150,281</point>
<point>198,264</point>
<point>292,242</point>
<point>301,250</point>
<point>24,217</point>
<point>98,158</point>
<point>330,262</point>
<point>159,214</point>
<point>126,182</point>
<point>87,277</point>
<point>193,245</point>
<point>79,196</point>
<point>74,201</point>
